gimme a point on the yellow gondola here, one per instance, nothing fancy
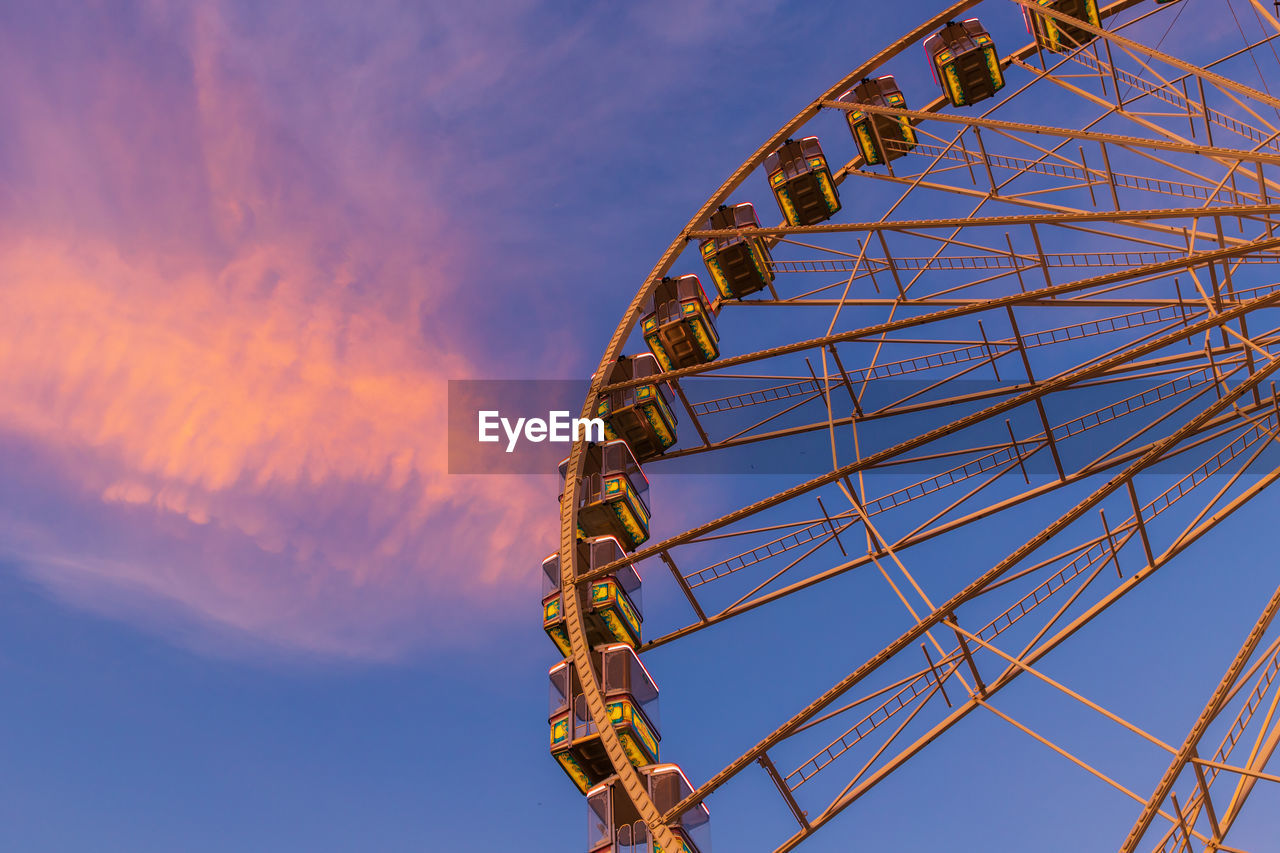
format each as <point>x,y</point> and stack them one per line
<point>1060,36</point>
<point>965,62</point>
<point>630,697</point>
<point>739,264</point>
<point>679,324</point>
<point>801,182</point>
<point>879,137</point>
<point>640,414</point>
<point>611,611</point>
<point>612,500</point>
<point>614,825</point>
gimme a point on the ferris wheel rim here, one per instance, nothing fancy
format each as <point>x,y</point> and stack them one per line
<point>571,577</point>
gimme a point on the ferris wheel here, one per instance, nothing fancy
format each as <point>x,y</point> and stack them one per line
<point>1005,351</point>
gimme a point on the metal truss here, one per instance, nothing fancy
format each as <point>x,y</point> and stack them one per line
<point>1044,316</point>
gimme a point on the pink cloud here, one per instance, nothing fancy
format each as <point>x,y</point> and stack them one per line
<point>212,347</point>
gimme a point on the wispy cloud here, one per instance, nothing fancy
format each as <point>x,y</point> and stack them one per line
<point>242,248</point>
<point>217,257</point>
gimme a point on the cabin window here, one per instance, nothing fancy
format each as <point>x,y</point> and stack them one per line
<point>559,689</point>
<point>550,575</point>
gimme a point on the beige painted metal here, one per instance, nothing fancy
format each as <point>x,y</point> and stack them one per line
<point>573,578</point>
<point>570,580</point>
<point>1211,710</point>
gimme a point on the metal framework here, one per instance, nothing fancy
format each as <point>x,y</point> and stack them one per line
<point>1076,322</point>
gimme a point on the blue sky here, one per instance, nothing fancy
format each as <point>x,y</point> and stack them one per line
<point>244,605</point>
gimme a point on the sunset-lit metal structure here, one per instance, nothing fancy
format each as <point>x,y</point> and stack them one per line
<point>1051,313</point>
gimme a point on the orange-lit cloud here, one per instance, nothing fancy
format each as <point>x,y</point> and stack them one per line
<point>211,342</point>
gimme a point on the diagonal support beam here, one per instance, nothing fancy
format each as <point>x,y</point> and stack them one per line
<point>1062,380</point>
<point>1157,452</point>
<point>1211,710</point>
<point>1223,83</point>
<point>1147,271</point>
<point>1060,132</point>
<point>1062,217</point>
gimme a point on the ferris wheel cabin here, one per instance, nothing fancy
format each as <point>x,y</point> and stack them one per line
<point>612,611</point>
<point>613,498</point>
<point>614,825</point>
<point>679,324</point>
<point>801,182</point>
<point>739,264</point>
<point>631,699</point>
<point>965,62</point>
<point>879,137</point>
<point>640,414</point>
<point>1061,36</point>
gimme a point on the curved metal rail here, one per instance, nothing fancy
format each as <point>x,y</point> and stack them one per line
<point>574,580</point>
